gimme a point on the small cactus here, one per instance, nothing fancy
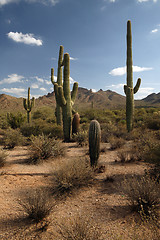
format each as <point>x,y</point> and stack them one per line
<point>128,89</point>
<point>94,142</point>
<point>28,105</point>
<point>75,123</point>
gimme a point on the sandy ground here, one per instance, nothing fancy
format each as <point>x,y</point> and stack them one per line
<point>103,202</point>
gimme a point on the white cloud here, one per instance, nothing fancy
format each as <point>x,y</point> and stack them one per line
<point>45,2</point>
<point>12,79</point>
<point>34,85</point>
<point>48,82</point>
<point>27,38</point>
<point>140,1</point>
<point>117,86</point>
<point>43,89</point>
<point>17,91</point>
<point>144,92</point>
<point>94,90</point>
<point>73,59</point>
<point>39,79</point>
<point>154,30</point>
<point>122,70</point>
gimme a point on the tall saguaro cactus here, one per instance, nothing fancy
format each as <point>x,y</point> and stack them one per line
<point>28,105</point>
<point>65,98</point>
<point>128,89</point>
<point>58,111</point>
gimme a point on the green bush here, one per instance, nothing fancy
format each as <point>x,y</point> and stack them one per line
<point>81,138</point>
<point>15,120</point>
<point>12,138</point>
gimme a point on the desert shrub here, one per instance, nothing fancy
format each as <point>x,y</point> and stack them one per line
<point>12,138</point>
<point>108,131</point>
<point>116,142</point>
<point>148,147</point>
<point>36,205</point>
<point>44,113</point>
<point>123,155</point>
<point>15,120</point>
<point>42,147</point>
<point>39,127</point>
<point>3,156</point>
<point>155,172</point>
<point>73,174</point>
<point>81,138</point>
<point>78,228</point>
<point>143,194</point>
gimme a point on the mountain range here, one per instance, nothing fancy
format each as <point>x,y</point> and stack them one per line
<point>85,99</point>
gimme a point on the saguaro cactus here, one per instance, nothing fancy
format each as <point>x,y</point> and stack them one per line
<point>65,98</point>
<point>94,142</point>
<point>128,89</point>
<point>58,111</point>
<point>28,105</point>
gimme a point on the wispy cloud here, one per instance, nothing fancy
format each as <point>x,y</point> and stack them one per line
<point>27,38</point>
<point>140,1</point>
<point>73,59</point>
<point>12,79</point>
<point>144,92</point>
<point>155,30</point>
<point>34,85</point>
<point>17,91</point>
<point>43,89</point>
<point>45,2</point>
<point>39,79</point>
<point>122,70</point>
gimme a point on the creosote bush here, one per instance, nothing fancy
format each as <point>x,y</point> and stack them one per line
<point>116,142</point>
<point>144,195</point>
<point>73,174</point>
<point>81,138</point>
<point>12,138</point>
<point>3,156</point>
<point>36,205</point>
<point>42,148</point>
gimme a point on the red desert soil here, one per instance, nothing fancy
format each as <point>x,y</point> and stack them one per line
<point>103,202</point>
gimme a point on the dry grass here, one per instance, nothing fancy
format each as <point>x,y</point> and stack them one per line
<point>143,194</point>
<point>3,156</point>
<point>42,148</point>
<point>116,142</point>
<point>73,174</point>
<point>36,205</point>
<point>78,228</point>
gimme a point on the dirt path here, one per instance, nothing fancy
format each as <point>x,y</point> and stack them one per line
<point>103,202</point>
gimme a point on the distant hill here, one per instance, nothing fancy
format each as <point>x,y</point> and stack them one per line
<point>85,99</point>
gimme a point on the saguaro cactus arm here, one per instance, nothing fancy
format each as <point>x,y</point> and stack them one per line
<point>74,91</point>
<point>52,76</point>
<point>136,88</point>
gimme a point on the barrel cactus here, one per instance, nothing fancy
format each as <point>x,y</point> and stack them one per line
<point>28,105</point>
<point>75,123</point>
<point>94,142</point>
<point>128,89</point>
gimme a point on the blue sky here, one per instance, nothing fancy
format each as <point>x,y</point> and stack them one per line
<point>93,32</point>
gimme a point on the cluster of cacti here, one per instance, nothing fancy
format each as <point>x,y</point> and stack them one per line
<point>128,89</point>
<point>58,111</point>
<point>64,98</point>
<point>94,142</point>
<point>28,105</point>
<point>75,123</point>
